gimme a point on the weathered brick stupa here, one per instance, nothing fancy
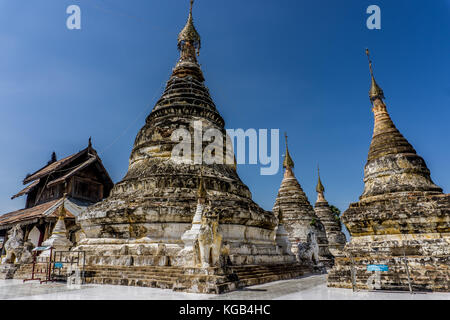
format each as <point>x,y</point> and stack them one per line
<point>402,219</point>
<point>299,216</point>
<point>336,238</point>
<point>144,219</point>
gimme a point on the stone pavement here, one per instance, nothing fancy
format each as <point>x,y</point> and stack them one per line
<point>304,288</point>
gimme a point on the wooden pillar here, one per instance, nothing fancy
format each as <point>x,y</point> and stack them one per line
<point>46,232</point>
<point>100,193</point>
<point>41,236</point>
<point>27,232</point>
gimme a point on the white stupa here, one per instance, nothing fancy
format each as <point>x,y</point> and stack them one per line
<point>58,240</point>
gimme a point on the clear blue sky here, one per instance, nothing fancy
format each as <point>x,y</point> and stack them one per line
<point>294,65</point>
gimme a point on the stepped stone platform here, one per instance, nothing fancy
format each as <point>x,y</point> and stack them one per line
<point>195,280</point>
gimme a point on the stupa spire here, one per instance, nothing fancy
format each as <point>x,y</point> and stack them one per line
<point>189,41</point>
<point>62,212</point>
<point>375,91</point>
<point>392,164</point>
<point>319,188</point>
<point>288,163</point>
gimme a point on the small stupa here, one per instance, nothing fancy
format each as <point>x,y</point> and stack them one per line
<point>58,239</point>
<point>298,214</point>
<point>282,236</point>
<point>336,238</point>
<point>402,219</point>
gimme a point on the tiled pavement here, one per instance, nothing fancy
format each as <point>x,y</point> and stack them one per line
<point>310,287</point>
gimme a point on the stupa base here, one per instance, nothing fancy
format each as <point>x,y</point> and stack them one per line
<point>149,263</point>
<point>194,280</point>
<point>8,270</point>
<point>423,258</point>
<point>148,252</point>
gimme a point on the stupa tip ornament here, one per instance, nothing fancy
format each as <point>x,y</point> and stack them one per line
<point>375,90</point>
<point>319,188</point>
<point>288,162</point>
<point>201,192</point>
<point>62,210</point>
<point>189,35</point>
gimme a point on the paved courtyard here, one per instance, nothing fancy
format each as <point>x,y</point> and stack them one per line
<point>305,288</point>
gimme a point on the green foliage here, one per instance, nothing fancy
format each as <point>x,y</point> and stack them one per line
<point>335,210</point>
<point>337,214</point>
<point>313,221</point>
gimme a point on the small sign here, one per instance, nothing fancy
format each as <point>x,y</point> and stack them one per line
<point>58,265</point>
<point>41,248</point>
<point>377,267</point>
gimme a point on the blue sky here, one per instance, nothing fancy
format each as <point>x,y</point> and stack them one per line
<point>298,66</point>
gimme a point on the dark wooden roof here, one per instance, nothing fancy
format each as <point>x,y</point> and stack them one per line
<point>48,209</point>
<point>80,167</point>
<point>50,168</point>
<point>27,214</point>
<point>63,166</point>
<point>27,190</point>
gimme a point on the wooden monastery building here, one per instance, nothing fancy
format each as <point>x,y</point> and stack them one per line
<point>81,176</point>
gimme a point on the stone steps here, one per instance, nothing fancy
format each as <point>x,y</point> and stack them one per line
<point>210,280</point>
<point>253,275</point>
<point>180,279</point>
<point>147,277</point>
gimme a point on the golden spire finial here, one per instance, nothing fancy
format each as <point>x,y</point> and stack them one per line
<point>189,35</point>
<point>375,90</point>
<point>62,211</point>
<point>288,162</point>
<point>370,61</point>
<point>319,188</point>
<point>201,192</point>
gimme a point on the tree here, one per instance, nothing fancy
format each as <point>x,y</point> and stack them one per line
<point>53,158</point>
<point>337,214</point>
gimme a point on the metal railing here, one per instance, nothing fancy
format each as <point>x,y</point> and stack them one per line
<point>69,264</point>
